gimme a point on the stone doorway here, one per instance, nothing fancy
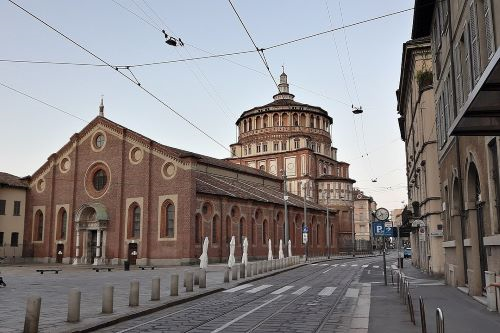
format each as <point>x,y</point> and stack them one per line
<point>91,223</point>
<point>132,253</point>
<point>59,253</point>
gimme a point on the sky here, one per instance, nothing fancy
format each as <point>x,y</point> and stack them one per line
<point>358,65</point>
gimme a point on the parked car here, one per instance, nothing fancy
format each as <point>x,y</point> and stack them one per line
<point>407,252</point>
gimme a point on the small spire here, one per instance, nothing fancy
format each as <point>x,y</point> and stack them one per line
<point>101,107</point>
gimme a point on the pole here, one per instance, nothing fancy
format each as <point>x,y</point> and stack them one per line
<point>305,219</point>
<point>385,268</point>
<point>285,198</point>
<point>327,226</point>
<point>352,232</point>
<point>399,260</point>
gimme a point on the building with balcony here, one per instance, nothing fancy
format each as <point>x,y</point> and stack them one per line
<point>293,140</point>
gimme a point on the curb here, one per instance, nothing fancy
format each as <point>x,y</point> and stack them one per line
<point>175,302</point>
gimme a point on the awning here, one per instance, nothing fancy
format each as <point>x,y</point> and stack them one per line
<point>480,114</point>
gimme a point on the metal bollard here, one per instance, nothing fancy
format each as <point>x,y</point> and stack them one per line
<point>234,271</point>
<point>259,267</point>
<point>188,278</point>
<point>155,289</point>
<point>133,299</point>
<point>439,321</point>
<point>242,271</point>
<point>422,315</point>
<point>254,268</point>
<point>174,285</point>
<point>74,298</point>
<point>410,308</point>
<point>107,298</point>
<point>203,278</point>
<point>32,317</point>
<point>226,275</point>
<point>249,269</point>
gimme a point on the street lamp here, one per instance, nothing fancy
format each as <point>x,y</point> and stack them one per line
<point>352,232</point>
<point>326,195</point>
<point>305,218</point>
<point>285,199</point>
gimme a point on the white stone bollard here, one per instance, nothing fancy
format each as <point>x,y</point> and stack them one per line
<point>226,275</point>
<point>188,279</point>
<point>107,298</point>
<point>74,298</point>
<point>155,289</point>
<point>32,317</point>
<point>133,299</point>
<point>174,285</point>
<point>203,278</point>
<point>490,291</point>
<point>242,271</point>
<point>196,278</point>
<point>235,271</point>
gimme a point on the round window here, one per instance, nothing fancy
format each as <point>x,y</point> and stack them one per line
<point>100,179</point>
<point>99,141</point>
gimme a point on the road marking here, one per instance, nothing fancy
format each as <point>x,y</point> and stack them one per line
<point>354,265</point>
<point>232,290</point>
<point>329,269</point>
<point>369,271</point>
<point>324,264</point>
<point>335,265</point>
<point>313,264</point>
<point>301,290</point>
<point>376,266</point>
<point>343,265</point>
<point>259,288</point>
<point>364,266</point>
<point>352,292</point>
<point>226,325</point>
<point>281,290</point>
<point>327,291</point>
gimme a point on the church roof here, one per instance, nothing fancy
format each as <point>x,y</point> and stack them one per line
<point>8,180</point>
<point>237,188</point>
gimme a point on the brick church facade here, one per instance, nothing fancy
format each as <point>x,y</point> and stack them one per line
<point>111,194</point>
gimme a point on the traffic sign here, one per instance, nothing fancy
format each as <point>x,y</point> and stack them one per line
<point>304,237</point>
<point>305,229</point>
<point>378,228</point>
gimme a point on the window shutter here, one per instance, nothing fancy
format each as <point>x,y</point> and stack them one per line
<point>474,43</point>
<point>458,73</point>
<point>452,115</point>
<point>438,126</point>
<point>488,23</point>
<point>466,75</point>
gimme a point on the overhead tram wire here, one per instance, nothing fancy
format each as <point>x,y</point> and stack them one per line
<point>124,75</point>
<point>259,50</point>
<point>42,102</point>
<point>205,86</point>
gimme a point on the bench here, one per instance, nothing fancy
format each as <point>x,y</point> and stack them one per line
<point>147,267</point>
<point>54,270</point>
<point>97,269</point>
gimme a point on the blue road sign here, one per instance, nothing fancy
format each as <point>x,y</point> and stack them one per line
<point>388,232</point>
<point>305,229</point>
<point>378,228</point>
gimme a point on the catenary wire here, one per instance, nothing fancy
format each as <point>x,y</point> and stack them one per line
<point>44,103</point>
<point>260,51</point>
<point>130,79</point>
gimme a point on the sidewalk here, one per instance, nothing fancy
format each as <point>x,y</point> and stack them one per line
<point>23,281</point>
<point>461,313</point>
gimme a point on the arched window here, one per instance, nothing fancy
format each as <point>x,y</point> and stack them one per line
<point>168,221</point>
<point>215,223</point>
<point>264,232</point>
<point>303,120</point>
<point>295,119</point>
<point>284,119</point>
<point>242,228</point>
<point>228,229</point>
<point>257,122</point>
<point>62,223</point>
<point>317,234</point>
<point>253,231</point>
<point>197,229</point>
<point>275,232</point>
<point>265,121</point>
<point>136,222</point>
<point>38,225</point>
<point>276,119</point>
